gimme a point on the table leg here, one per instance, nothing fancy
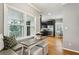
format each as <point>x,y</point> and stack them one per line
<point>29,52</point>
<point>22,50</point>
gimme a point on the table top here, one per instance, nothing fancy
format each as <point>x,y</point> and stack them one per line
<point>30,42</point>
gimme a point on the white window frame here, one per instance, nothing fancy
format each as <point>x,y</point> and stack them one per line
<point>34,21</point>
<point>56,24</point>
<point>6,6</point>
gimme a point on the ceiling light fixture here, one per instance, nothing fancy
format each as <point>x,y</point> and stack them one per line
<point>49,14</point>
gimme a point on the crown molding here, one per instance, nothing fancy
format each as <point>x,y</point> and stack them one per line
<point>31,5</point>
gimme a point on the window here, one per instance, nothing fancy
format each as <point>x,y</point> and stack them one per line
<point>30,25</point>
<point>59,28</point>
<point>19,24</point>
<point>15,23</point>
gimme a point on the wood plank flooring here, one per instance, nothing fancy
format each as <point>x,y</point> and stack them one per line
<point>70,52</point>
<point>55,46</point>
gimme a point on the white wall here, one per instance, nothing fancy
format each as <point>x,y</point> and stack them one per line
<point>28,10</point>
<point>47,17</point>
<point>71,24</point>
<point>1,18</point>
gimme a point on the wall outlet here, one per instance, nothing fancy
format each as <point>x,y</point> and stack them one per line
<point>69,44</point>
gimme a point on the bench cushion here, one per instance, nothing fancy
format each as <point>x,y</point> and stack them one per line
<point>1,42</point>
<point>7,52</point>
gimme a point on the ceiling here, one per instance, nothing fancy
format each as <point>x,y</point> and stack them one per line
<point>49,8</point>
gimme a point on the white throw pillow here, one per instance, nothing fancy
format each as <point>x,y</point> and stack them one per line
<point>1,42</point>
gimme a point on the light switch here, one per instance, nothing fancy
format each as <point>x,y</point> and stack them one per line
<point>66,28</point>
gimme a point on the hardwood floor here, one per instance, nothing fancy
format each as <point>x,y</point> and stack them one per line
<point>70,52</point>
<point>55,46</point>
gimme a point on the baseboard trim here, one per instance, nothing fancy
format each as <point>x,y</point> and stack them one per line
<point>71,52</point>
